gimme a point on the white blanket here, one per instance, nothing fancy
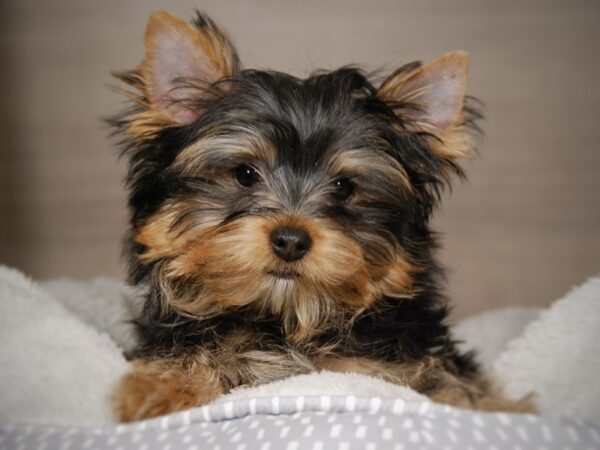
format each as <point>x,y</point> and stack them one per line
<point>61,348</point>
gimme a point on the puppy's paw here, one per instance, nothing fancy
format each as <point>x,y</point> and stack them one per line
<point>155,389</point>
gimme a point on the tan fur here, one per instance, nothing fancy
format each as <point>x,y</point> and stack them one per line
<point>393,280</point>
<point>358,161</point>
<point>162,237</point>
<point>150,118</point>
<point>211,40</point>
<point>234,265</point>
<point>430,377</point>
<point>452,141</point>
<point>145,124</point>
<point>243,144</point>
<point>158,386</point>
<point>163,385</point>
<point>393,88</point>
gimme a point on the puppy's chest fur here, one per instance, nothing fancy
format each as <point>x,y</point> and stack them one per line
<point>281,225</point>
<point>398,331</point>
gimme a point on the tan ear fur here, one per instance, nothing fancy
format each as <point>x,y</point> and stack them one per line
<point>431,98</point>
<point>182,60</point>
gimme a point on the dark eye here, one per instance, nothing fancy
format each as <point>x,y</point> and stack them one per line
<point>344,188</point>
<point>246,175</point>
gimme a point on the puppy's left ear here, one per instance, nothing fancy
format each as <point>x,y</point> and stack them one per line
<point>430,98</point>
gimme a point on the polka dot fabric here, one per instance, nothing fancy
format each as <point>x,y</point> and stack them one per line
<point>317,423</point>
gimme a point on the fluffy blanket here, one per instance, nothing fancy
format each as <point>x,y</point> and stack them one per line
<point>62,343</point>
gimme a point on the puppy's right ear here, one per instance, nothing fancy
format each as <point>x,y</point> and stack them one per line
<point>181,60</point>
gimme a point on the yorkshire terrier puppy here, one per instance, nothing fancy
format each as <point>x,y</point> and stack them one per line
<point>280,226</point>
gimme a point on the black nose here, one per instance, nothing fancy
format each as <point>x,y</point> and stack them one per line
<point>290,244</point>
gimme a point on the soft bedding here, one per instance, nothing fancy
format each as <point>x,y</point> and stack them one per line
<point>319,423</point>
<point>61,356</point>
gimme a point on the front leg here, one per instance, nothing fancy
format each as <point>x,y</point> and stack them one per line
<point>433,378</point>
<point>157,386</point>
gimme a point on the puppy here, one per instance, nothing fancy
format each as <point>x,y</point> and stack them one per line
<point>280,226</point>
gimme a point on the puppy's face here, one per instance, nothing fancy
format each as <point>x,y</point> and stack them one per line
<point>307,200</point>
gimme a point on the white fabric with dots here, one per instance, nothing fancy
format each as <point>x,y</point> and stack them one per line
<point>318,423</point>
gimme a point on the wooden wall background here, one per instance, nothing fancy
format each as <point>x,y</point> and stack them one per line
<point>524,228</point>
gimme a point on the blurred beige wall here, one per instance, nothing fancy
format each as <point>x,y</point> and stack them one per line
<point>522,230</point>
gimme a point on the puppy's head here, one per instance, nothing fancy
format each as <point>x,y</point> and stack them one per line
<point>302,199</point>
